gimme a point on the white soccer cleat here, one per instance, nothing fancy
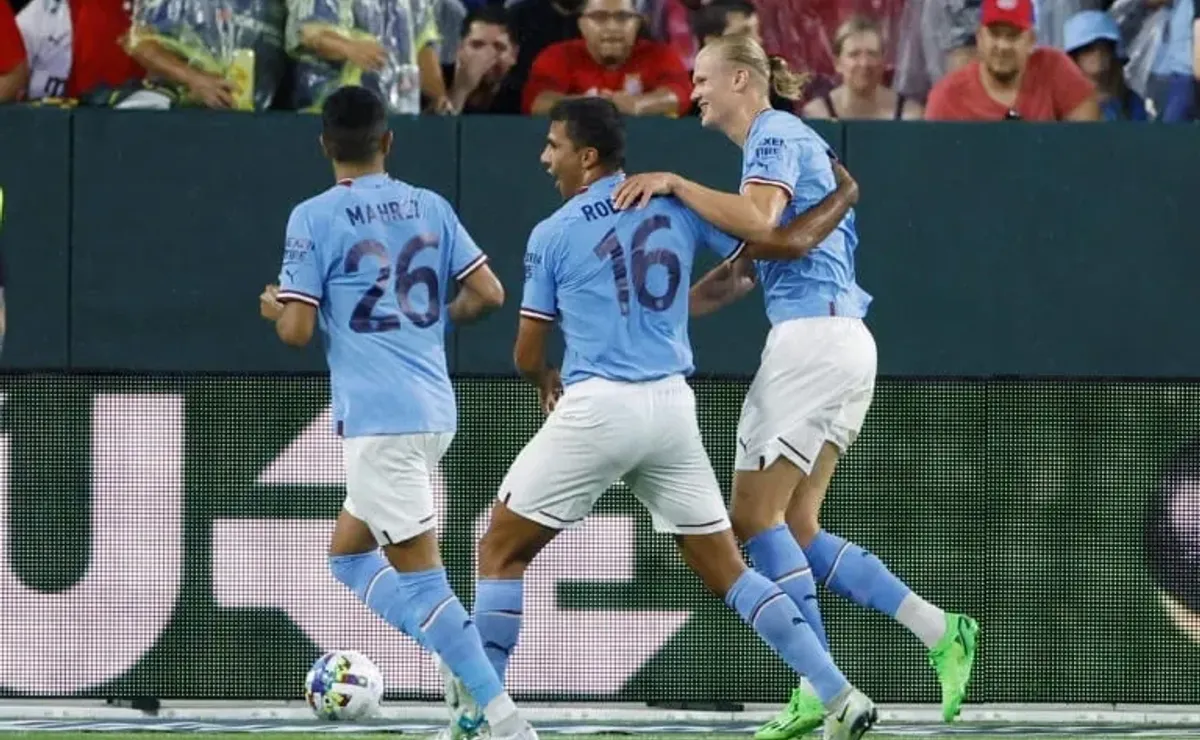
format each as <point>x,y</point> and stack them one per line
<point>466,718</point>
<point>852,719</point>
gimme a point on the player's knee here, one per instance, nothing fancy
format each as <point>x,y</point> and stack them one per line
<point>804,526</point>
<point>750,519</point>
<point>715,558</point>
<point>503,556</point>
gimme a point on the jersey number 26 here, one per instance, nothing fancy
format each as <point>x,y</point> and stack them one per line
<point>365,319</point>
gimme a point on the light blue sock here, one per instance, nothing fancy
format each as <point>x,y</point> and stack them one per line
<point>776,618</point>
<point>776,554</point>
<point>376,584</point>
<point>852,572</point>
<point>498,605</point>
<point>450,631</point>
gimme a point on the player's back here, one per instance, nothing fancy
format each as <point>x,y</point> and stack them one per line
<point>784,151</point>
<point>619,281</point>
<point>387,252</point>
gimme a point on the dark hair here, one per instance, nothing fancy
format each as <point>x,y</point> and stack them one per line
<point>711,19</point>
<point>489,15</point>
<point>354,121</point>
<point>595,123</point>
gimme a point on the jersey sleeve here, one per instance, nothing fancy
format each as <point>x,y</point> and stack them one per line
<point>727,247</point>
<point>772,160</point>
<point>465,255</point>
<point>816,179</point>
<point>540,300</point>
<point>12,46</point>
<point>302,276</point>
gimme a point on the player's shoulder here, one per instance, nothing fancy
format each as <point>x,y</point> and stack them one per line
<point>550,230</point>
<point>321,203</point>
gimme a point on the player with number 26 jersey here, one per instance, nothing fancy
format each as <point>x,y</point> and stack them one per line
<point>378,256</point>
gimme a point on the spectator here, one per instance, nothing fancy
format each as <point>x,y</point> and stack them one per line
<point>213,53</point>
<point>1172,86</point>
<point>74,46</point>
<point>858,48</point>
<point>725,18</point>
<point>641,77</point>
<point>1012,80</point>
<point>670,21</point>
<point>14,67</point>
<point>1092,40</point>
<point>937,37</point>
<point>450,16</point>
<point>480,81</point>
<point>802,32</point>
<point>538,24</point>
<point>1051,16</point>
<point>387,46</point>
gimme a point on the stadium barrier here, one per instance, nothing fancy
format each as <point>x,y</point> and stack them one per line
<point>164,536</point>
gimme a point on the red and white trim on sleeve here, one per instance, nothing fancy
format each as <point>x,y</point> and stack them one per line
<point>287,296</point>
<point>474,265</point>
<point>529,313</point>
<point>768,181</point>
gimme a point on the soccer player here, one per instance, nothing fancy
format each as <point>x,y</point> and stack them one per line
<point>372,261</point>
<point>810,396</point>
<point>621,407</point>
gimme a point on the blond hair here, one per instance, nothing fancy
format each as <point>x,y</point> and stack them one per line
<point>853,26</point>
<point>744,51</point>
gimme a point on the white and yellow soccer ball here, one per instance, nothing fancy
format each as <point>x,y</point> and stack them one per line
<point>344,685</point>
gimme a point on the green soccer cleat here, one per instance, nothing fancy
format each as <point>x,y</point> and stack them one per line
<point>803,714</point>
<point>953,658</point>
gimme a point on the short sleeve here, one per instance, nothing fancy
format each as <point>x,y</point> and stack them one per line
<point>727,247</point>
<point>1072,88</point>
<point>426,24</point>
<point>772,160</point>
<point>301,278</point>
<point>465,255</point>
<point>12,46</point>
<point>816,178</point>
<point>540,297</point>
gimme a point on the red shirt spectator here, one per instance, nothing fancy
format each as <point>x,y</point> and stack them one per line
<point>75,47</point>
<point>12,54</point>
<point>568,68</point>
<point>1052,87</point>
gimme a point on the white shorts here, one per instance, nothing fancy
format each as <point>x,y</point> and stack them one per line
<point>815,384</point>
<point>388,482</point>
<point>602,431</point>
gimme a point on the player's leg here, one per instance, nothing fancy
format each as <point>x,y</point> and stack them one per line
<point>676,483</point>
<point>388,488</point>
<point>856,574</point>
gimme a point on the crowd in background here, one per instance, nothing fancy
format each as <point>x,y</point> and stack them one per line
<point>861,59</point>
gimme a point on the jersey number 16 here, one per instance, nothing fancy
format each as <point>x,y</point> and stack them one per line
<point>640,262</point>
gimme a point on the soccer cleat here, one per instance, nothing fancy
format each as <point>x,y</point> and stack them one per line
<point>852,719</point>
<point>953,658</point>
<point>466,718</point>
<point>803,714</point>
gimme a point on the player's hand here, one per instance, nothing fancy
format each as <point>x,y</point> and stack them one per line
<point>637,190</point>
<point>366,54</point>
<point>844,178</point>
<point>550,390</point>
<point>268,303</point>
<point>212,91</point>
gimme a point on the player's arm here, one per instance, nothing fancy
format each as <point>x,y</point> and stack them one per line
<point>292,305</point>
<point>539,310</point>
<point>726,283</point>
<point>810,228</point>
<point>433,85</point>
<point>479,289</point>
<point>478,293</point>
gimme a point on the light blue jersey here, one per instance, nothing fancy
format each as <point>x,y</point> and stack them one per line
<point>781,150</point>
<point>619,281</point>
<point>377,257</point>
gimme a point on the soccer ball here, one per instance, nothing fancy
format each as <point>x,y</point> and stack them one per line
<point>344,685</point>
